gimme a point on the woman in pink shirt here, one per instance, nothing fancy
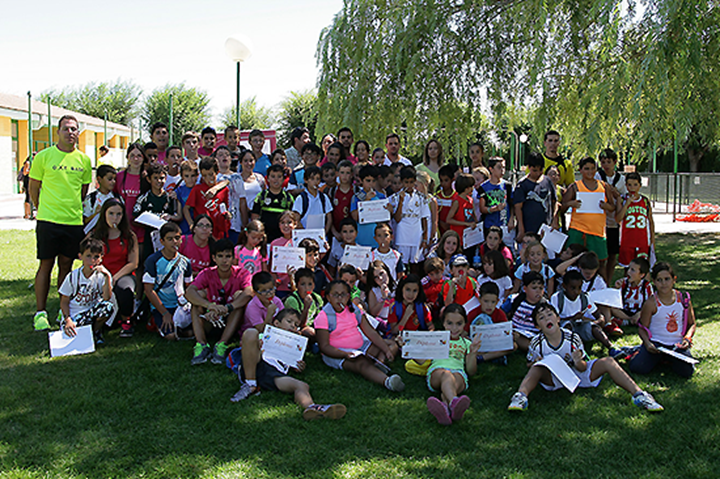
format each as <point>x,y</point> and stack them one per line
<point>196,246</point>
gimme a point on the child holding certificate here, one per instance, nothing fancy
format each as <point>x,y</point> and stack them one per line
<point>256,373</point>
<point>346,339</point>
<point>450,376</point>
<point>554,340</point>
<point>461,288</point>
<point>366,192</point>
<point>412,213</point>
<point>491,314</point>
<point>305,301</point>
<point>288,222</point>
<point>409,311</point>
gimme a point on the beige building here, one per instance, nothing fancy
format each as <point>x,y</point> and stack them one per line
<point>14,133</point>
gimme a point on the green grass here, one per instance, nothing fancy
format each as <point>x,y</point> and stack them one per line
<point>136,408</point>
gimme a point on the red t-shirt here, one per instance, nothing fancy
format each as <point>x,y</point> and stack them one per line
<point>444,204</point>
<point>199,257</point>
<point>413,323</point>
<point>116,255</point>
<point>211,207</point>
<point>432,290</point>
<point>341,206</point>
<point>128,187</point>
<point>464,213</point>
<point>498,316</point>
<point>209,281</point>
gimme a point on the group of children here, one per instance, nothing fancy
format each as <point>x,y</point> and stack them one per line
<point>419,276</point>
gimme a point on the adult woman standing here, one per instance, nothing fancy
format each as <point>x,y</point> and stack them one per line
<point>433,159</point>
<point>121,258</point>
<point>254,182</point>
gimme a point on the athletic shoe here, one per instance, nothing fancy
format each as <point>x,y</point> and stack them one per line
<point>245,392</point>
<point>615,353</point>
<point>395,383</point>
<point>201,353</point>
<point>519,402</point>
<point>126,329</point>
<point>99,338</point>
<point>40,321</point>
<point>612,329</point>
<point>458,406</point>
<point>501,361</point>
<point>646,401</point>
<point>219,353</point>
<point>329,411</point>
<point>440,410</point>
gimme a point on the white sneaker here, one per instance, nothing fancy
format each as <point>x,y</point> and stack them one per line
<point>646,401</point>
<point>395,383</point>
<point>519,402</point>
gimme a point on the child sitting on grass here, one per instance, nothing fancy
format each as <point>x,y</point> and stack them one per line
<point>346,339</point>
<point>491,314</point>
<point>495,270</point>
<point>305,301</point>
<point>409,311</point>
<point>264,306</point>
<point>635,289</point>
<point>556,340</point>
<point>85,293</point>
<point>461,288</point>
<point>534,256</point>
<point>521,307</point>
<point>256,373</point>
<point>450,376</point>
<point>432,284</point>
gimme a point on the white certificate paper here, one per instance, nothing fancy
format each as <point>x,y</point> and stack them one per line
<point>426,344</point>
<point>590,202</point>
<point>677,355</point>
<point>493,337</point>
<point>473,236</point>
<point>283,346</point>
<point>287,256</point>
<point>607,297</point>
<point>316,234</point>
<point>63,345</point>
<point>358,256</point>
<point>150,219</point>
<point>315,222</point>
<point>373,211</point>
<point>554,240</point>
<point>560,371</point>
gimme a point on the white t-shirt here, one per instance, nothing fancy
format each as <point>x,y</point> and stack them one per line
<point>505,285</point>
<point>409,229</point>
<point>84,293</point>
<point>90,207</point>
<point>392,258</point>
<point>172,182</point>
<point>253,187</point>
<point>318,205</point>
<point>596,284</point>
<point>620,186</point>
<point>236,190</point>
<point>401,159</point>
<point>571,308</point>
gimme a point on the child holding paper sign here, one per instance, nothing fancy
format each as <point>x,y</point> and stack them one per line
<point>450,376</point>
<point>255,373</point>
<point>667,320</point>
<point>554,340</point>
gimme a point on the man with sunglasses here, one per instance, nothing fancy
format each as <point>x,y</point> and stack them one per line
<point>218,296</point>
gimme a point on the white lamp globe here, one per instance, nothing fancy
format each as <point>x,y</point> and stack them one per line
<point>523,138</point>
<point>238,47</point>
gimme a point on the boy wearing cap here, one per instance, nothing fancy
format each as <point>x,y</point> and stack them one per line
<point>461,288</point>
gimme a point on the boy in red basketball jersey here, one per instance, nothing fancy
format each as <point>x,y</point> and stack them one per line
<point>637,229</point>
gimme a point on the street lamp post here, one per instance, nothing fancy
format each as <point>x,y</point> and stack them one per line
<point>238,48</point>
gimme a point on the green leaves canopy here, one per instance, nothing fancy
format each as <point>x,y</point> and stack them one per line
<point>119,100</point>
<point>190,109</point>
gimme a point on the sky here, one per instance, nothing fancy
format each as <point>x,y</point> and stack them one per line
<point>50,44</point>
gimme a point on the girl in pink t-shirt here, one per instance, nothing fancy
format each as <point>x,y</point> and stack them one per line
<point>196,246</point>
<point>128,184</point>
<point>288,223</point>
<point>251,249</point>
<point>338,334</point>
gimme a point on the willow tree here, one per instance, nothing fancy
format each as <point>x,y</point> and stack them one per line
<point>605,72</point>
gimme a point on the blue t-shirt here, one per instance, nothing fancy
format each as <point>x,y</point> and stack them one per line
<point>262,164</point>
<point>366,232</point>
<point>183,193</point>
<point>158,266</point>
<point>494,195</point>
<point>297,177</point>
<point>538,200</point>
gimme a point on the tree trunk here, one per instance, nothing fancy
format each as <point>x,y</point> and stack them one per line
<point>695,155</point>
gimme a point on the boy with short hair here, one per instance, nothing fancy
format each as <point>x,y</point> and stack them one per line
<point>383,178</point>
<point>263,307</point>
<point>224,159</point>
<point>151,152</point>
<point>218,296</point>
<point>348,234</point>
<point>460,288</point>
<point>495,198</point>
<point>341,196</point>
<point>313,203</point>
<point>156,201</point>
<point>85,294</point>
<point>489,294</point>
<point>534,198</point>
<point>366,192</point>
<point>216,207</point>
<point>637,227</point>
<point>312,260</point>
<point>232,138</point>
<point>310,154</point>
<point>385,253</point>
<point>462,213</point>
<point>412,214</point>
<point>94,200</point>
<point>446,196</point>
<point>616,181</point>
<point>190,144</point>
<point>208,136</point>
<point>305,301</point>
<point>189,175</point>
<point>262,161</point>
<point>432,283</point>
<point>635,289</point>
<point>521,306</point>
<point>329,174</point>
<point>556,340</point>
<point>255,372</point>
<point>272,202</point>
<point>173,158</point>
<point>350,275</point>
<point>167,272</point>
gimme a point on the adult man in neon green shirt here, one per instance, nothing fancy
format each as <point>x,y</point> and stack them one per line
<point>59,180</point>
<point>553,158</point>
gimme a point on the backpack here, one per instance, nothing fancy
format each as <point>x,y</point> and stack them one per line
<point>419,311</point>
<point>332,317</point>
<point>584,301</point>
<point>306,202</point>
<point>92,198</point>
<point>615,179</point>
<point>684,299</point>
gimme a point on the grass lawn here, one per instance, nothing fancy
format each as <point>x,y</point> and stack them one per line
<point>136,408</point>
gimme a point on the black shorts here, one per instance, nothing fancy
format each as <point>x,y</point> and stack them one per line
<point>613,240</point>
<point>265,374</point>
<point>54,239</point>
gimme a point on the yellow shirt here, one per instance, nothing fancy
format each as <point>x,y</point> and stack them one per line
<point>63,176</point>
<point>567,174</point>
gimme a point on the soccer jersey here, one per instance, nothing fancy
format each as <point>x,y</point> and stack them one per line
<point>633,297</point>
<point>540,347</point>
<point>212,207</point>
<point>270,206</point>
<point>84,293</point>
<point>409,229</point>
<point>157,267</point>
<point>464,213</point>
<point>340,205</point>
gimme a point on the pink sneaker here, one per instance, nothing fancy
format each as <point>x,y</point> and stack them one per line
<point>458,406</point>
<point>440,410</point>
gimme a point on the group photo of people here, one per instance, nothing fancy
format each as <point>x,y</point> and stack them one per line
<point>461,242</point>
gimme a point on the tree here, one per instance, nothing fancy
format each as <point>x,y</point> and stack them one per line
<point>119,99</point>
<point>252,116</point>
<point>603,72</point>
<point>190,109</point>
<point>300,108</point>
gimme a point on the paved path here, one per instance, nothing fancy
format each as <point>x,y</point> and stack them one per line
<point>11,218</point>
